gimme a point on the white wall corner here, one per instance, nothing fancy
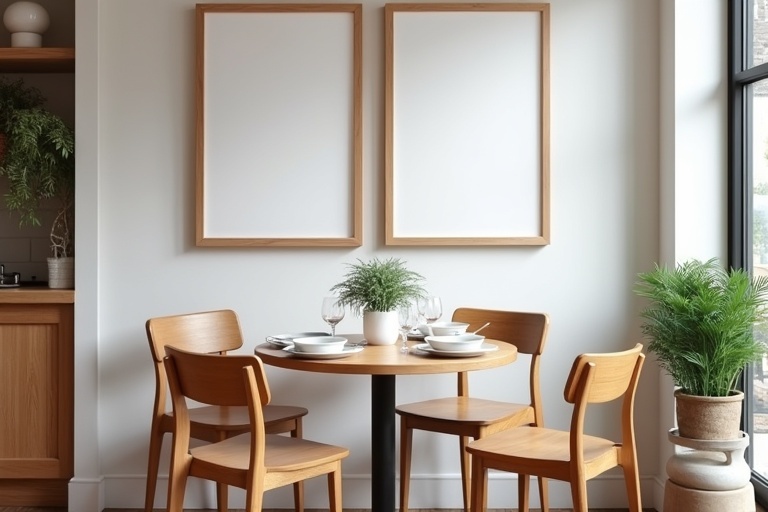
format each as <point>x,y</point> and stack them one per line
<point>86,495</point>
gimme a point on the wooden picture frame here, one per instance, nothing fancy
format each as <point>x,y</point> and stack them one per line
<point>278,125</point>
<point>467,124</point>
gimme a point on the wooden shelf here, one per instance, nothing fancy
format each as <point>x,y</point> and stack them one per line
<point>37,60</point>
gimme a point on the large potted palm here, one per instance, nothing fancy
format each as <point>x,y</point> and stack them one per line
<point>376,289</point>
<point>700,323</point>
<point>38,162</point>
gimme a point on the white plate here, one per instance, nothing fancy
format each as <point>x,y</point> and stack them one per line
<point>348,351</point>
<point>286,340</point>
<point>485,347</point>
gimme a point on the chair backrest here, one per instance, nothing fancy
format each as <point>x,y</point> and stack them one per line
<point>205,332</point>
<point>598,378</point>
<point>213,379</point>
<point>526,331</point>
<point>208,332</point>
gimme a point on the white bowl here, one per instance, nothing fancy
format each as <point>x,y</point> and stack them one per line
<point>319,344</point>
<point>444,328</point>
<point>455,343</point>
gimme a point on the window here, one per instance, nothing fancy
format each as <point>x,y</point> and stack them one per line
<point>748,197</point>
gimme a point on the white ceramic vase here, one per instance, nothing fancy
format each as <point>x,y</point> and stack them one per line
<point>380,327</point>
<point>26,21</point>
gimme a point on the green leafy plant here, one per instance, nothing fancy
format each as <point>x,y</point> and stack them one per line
<point>39,162</point>
<point>379,285</point>
<point>15,95</point>
<point>701,322</point>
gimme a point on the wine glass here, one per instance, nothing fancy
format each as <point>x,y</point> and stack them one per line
<point>408,318</point>
<point>431,308</point>
<point>332,312</point>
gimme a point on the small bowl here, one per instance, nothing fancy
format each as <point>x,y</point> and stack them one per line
<point>319,344</point>
<point>445,328</point>
<point>455,343</point>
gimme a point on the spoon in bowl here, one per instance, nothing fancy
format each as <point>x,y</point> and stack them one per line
<point>481,328</point>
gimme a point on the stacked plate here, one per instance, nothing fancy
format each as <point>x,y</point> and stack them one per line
<point>313,345</point>
<point>463,345</point>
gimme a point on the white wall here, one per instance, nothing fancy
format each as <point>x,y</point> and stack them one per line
<point>137,259</point>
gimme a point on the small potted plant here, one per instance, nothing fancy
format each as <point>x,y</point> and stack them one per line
<point>376,289</point>
<point>700,323</point>
<point>39,164</point>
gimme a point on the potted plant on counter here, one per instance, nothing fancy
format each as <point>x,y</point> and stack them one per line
<point>700,323</point>
<point>39,164</point>
<point>377,289</point>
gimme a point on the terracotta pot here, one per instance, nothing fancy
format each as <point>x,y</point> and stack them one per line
<point>380,327</point>
<point>709,417</point>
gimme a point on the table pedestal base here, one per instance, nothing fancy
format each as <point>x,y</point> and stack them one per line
<point>383,443</point>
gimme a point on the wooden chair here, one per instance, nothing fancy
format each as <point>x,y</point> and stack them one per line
<point>469,417</point>
<point>207,332</point>
<point>255,461</point>
<point>570,456</point>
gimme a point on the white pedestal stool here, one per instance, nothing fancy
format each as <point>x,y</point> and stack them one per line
<point>708,476</point>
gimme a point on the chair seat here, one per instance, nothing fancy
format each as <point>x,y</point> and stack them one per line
<point>466,410</point>
<point>282,453</point>
<point>541,448</point>
<point>236,418</point>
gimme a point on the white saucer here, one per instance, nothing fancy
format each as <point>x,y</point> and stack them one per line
<point>348,351</point>
<point>286,340</point>
<point>485,347</point>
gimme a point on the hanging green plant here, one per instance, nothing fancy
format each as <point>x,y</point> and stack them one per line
<point>39,162</point>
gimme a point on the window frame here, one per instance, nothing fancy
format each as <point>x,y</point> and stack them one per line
<point>740,183</point>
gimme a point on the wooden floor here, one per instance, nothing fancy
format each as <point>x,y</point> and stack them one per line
<point>49,509</point>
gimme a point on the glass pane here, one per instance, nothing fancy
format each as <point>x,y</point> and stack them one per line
<point>757,387</point>
<point>759,31</point>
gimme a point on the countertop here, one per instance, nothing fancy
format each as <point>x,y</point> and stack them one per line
<point>36,295</point>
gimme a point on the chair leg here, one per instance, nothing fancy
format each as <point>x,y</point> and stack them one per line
<point>579,495</point>
<point>177,484</point>
<point>222,497</point>
<point>334,489</point>
<point>543,494</point>
<point>298,487</point>
<point>466,468</point>
<point>523,492</point>
<point>632,482</point>
<point>480,487</point>
<point>406,438</point>
<point>153,465</point>
<point>222,492</point>
<point>254,499</point>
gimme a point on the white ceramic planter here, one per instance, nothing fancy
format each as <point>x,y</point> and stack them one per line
<point>380,327</point>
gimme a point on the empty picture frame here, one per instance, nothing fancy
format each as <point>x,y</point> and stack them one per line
<point>467,124</point>
<point>279,116</point>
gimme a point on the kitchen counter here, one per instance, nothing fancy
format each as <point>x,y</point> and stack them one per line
<point>36,295</point>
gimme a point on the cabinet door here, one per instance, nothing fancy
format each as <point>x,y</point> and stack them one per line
<point>36,398</point>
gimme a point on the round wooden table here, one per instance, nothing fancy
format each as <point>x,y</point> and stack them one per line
<point>383,363</point>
